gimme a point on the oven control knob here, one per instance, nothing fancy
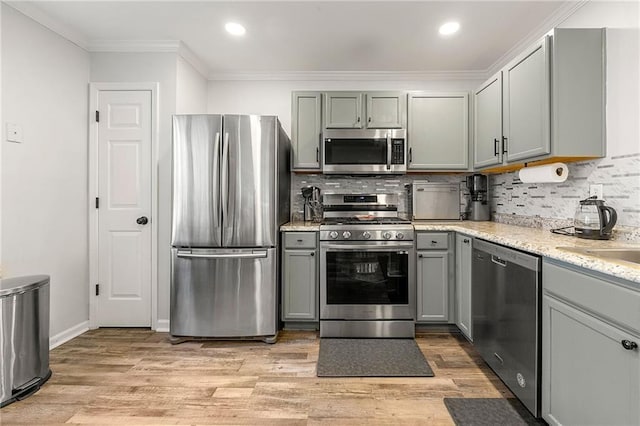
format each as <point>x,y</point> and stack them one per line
<point>333,235</point>
<point>366,235</point>
<point>386,235</point>
<point>399,235</point>
<point>346,234</point>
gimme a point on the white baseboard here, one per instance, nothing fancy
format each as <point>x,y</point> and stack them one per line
<point>68,334</point>
<point>162,326</point>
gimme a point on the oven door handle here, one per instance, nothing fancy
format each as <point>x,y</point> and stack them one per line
<point>351,247</point>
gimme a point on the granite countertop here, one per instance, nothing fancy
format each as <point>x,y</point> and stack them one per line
<point>537,241</point>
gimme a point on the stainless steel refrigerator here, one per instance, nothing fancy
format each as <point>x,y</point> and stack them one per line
<point>230,196</point>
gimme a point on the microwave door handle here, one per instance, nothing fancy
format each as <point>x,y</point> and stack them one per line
<point>388,151</point>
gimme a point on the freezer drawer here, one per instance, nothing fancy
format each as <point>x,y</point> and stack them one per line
<point>223,293</point>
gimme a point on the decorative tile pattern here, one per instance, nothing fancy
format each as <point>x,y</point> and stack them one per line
<point>338,184</point>
<point>619,175</point>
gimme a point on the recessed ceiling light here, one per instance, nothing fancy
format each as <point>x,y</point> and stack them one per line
<point>449,28</point>
<point>234,28</point>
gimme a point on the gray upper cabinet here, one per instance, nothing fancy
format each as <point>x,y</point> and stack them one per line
<point>590,368</point>
<point>347,110</point>
<point>385,110</point>
<point>343,110</point>
<point>438,131</point>
<point>306,130</point>
<point>487,149</point>
<point>463,284</point>
<point>526,103</point>
<point>553,103</point>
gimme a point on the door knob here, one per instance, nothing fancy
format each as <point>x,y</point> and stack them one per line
<point>142,220</point>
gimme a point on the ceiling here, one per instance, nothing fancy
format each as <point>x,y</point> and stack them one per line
<point>312,36</point>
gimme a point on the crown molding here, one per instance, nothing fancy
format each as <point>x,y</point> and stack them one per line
<point>34,12</point>
<point>348,76</point>
<point>563,12</point>
<point>125,46</point>
<point>193,59</point>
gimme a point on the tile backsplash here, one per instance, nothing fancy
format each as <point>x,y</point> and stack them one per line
<point>619,175</point>
<point>339,184</point>
<point>539,205</point>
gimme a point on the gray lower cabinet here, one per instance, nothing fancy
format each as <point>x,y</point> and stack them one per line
<point>464,253</point>
<point>300,277</point>
<point>433,277</point>
<point>590,365</point>
<point>438,131</point>
<point>306,130</point>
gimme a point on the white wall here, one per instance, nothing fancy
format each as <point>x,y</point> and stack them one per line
<point>161,68</point>
<point>44,179</point>
<point>274,97</point>
<point>191,89</point>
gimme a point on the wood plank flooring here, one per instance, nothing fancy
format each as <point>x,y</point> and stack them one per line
<point>135,376</point>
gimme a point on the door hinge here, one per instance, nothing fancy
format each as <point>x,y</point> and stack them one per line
<point>97,116</point>
<point>97,202</point>
<point>97,289</point>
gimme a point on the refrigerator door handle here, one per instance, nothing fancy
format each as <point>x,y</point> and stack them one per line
<point>253,255</point>
<point>224,176</point>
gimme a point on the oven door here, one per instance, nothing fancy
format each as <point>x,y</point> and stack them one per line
<point>367,281</point>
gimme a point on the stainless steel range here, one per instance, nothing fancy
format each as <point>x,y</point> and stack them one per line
<point>367,264</point>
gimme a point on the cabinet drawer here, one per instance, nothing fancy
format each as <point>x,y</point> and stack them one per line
<point>432,240</point>
<point>300,239</point>
<point>598,295</point>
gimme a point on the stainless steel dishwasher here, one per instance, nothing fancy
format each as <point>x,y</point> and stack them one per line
<point>506,298</point>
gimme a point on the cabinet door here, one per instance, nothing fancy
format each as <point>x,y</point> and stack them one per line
<point>306,130</point>
<point>438,131</point>
<point>343,110</point>
<point>526,104</point>
<point>299,285</point>
<point>463,284</point>
<point>487,130</point>
<point>433,286</point>
<point>385,110</point>
<point>588,377</point>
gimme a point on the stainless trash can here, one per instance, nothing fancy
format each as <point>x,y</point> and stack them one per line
<point>24,336</point>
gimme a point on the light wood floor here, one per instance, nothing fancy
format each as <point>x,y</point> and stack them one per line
<point>134,376</point>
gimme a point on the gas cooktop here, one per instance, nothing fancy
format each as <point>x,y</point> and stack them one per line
<point>366,221</point>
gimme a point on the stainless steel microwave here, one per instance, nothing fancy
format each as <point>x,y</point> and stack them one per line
<point>364,152</point>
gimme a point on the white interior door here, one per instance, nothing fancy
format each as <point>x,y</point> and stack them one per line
<point>124,190</point>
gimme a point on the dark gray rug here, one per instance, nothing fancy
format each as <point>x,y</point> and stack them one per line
<point>371,358</point>
<point>489,412</point>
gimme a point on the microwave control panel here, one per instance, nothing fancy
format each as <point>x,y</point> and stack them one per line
<point>397,151</point>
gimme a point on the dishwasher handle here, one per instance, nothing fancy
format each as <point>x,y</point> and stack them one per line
<point>498,261</point>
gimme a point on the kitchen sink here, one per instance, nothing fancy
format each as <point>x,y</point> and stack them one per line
<point>624,254</point>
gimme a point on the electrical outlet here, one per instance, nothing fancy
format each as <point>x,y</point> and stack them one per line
<point>596,189</point>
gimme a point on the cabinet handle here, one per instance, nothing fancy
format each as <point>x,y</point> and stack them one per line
<point>369,120</point>
<point>313,254</point>
<point>504,145</point>
<point>466,241</point>
<point>629,345</point>
<point>410,155</point>
<point>358,119</point>
<point>317,155</point>
<point>420,256</point>
<point>433,242</point>
<point>495,146</point>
